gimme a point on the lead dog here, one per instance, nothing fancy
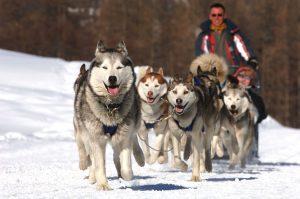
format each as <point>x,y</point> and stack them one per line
<point>107,111</point>
<point>152,89</point>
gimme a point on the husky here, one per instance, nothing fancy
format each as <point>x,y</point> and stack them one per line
<point>210,71</point>
<point>185,107</point>
<point>152,89</point>
<point>107,111</point>
<point>237,123</point>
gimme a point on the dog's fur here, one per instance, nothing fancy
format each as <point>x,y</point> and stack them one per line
<point>237,123</point>
<point>185,107</point>
<point>152,89</point>
<point>107,110</point>
<point>210,70</point>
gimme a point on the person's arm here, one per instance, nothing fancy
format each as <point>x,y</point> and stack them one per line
<point>244,48</point>
<point>201,44</point>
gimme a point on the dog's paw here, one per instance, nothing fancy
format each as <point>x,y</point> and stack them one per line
<point>83,164</point>
<point>181,165</point>
<point>162,160</point>
<point>195,179</point>
<point>104,187</point>
<point>92,180</point>
<point>231,167</point>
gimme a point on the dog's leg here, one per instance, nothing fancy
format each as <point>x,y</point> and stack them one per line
<point>247,145</point>
<point>178,163</point>
<point>84,159</point>
<point>117,160</point>
<point>98,150</point>
<point>158,144</point>
<point>164,157</point>
<point>125,157</point>
<point>187,148</point>
<point>227,141</point>
<point>92,177</point>
<point>143,133</point>
<point>137,152</point>
<point>196,158</point>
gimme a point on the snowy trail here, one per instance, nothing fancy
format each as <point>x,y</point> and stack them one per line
<point>39,158</point>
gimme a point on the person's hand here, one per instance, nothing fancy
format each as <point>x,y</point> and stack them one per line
<point>253,63</point>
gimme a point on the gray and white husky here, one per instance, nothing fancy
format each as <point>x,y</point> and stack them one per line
<point>152,88</point>
<point>185,107</point>
<point>107,110</point>
<point>237,123</point>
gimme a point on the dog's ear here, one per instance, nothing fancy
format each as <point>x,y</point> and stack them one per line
<point>232,81</point>
<point>189,78</point>
<point>161,71</point>
<point>82,69</point>
<point>199,70</point>
<point>100,47</point>
<point>214,71</point>
<point>149,70</point>
<point>121,48</point>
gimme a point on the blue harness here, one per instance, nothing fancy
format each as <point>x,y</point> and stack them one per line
<point>188,128</point>
<point>111,130</point>
<point>152,125</point>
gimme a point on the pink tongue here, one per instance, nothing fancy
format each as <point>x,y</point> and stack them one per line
<point>178,109</point>
<point>113,91</point>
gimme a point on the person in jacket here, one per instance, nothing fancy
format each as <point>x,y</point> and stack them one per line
<point>221,36</point>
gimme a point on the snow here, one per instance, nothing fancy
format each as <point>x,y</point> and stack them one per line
<point>38,155</point>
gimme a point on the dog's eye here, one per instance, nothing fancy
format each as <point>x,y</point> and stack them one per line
<point>185,92</point>
<point>156,86</point>
<point>237,99</point>
<point>147,85</point>
<point>119,67</point>
<point>104,67</point>
<point>175,92</point>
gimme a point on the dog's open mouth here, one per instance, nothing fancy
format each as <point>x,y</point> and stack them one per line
<point>150,100</point>
<point>233,111</point>
<point>112,89</point>
<point>179,108</point>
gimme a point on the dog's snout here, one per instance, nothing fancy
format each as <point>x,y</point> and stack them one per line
<point>112,80</point>
<point>179,101</point>
<point>233,107</point>
<point>150,93</point>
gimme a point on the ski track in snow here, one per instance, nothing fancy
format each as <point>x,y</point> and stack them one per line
<point>39,158</point>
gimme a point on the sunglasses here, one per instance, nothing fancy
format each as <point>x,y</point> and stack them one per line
<point>215,15</point>
<point>245,77</point>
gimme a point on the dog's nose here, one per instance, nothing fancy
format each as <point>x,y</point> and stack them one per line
<point>233,107</point>
<point>112,80</point>
<point>179,101</point>
<point>150,93</point>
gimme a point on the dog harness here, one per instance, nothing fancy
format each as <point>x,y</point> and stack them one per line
<point>110,130</point>
<point>188,128</point>
<point>152,125</point>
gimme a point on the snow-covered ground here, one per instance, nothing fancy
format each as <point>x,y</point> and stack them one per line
<point>38,155</point>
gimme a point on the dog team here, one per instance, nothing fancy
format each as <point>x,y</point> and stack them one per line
<point>193,116</point>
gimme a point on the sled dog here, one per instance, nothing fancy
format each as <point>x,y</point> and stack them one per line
<point>107,111</point>
<point>237,123</point>
<point>210,72</point>
<point>185,108</point>
<point>152,89</point>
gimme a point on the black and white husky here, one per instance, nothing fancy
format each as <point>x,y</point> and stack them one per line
<point>107,111</point>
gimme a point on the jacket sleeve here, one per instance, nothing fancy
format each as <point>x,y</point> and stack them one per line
<point>243,46</point>
<point>201,44</point>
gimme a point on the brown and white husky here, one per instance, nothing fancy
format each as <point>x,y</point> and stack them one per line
<point>152,89</point>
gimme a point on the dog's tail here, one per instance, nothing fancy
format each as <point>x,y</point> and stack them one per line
<point>137,152</point>
<point>207,62</point>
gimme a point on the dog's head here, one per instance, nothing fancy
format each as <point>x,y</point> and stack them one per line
<point>236,99</point>
<point>152,86</point>
<point>181,94</point>
<point>111,73</point>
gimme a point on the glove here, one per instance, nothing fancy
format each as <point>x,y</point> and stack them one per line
<point>253,63</point>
